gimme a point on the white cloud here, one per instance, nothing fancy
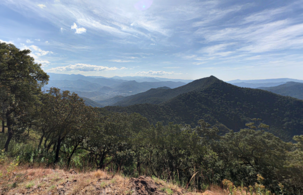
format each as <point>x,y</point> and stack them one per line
<point>46,42</point>
<point>215,49</point>
<point>7,42</point>
<point>78,30</point>
<point>61,29</point>
<point>264,15</point>
<point>28,41</point>
<point>156,73</point>
<point>74,26</point>
<point>39,52</point>
<point>83,68</point>
<point>37,39</point>
<point>120,61</point>
<point>44,63</point>
<point>41,6</point>
<point>277,35</point>
<point>198,63</point>
<point>190,57</point>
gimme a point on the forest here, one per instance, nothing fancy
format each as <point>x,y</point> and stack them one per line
<point>57,128</point>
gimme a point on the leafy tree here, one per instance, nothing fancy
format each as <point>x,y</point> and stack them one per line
<point>20,84</point>
<point>63,116</point>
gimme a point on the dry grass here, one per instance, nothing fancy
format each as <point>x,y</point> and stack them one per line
<point>25,180</point>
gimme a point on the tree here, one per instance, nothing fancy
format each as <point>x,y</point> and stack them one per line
<point>63,115</point>
<point>20,85</point>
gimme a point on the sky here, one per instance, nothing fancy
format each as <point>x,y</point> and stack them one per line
<point>184,39</point>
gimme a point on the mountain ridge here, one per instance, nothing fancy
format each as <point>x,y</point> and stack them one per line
<point>160,95</point>
<point>291,89</point>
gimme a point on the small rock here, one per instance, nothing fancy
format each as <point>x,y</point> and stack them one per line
<point>60,187</point>
<point>72,171</point>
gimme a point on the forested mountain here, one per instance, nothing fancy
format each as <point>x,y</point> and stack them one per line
<point>292,89</point>
<point>219,103</point>
<point>262,82</point>
<point>159,95</point>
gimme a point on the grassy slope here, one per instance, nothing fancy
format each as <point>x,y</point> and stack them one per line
<point>28,180</point>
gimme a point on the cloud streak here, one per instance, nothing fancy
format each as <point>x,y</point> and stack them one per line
<point>82,68</point>
<point>41,6</point>
<point>156,73</point>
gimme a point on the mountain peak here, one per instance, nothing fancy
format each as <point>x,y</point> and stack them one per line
<point>160,95</point>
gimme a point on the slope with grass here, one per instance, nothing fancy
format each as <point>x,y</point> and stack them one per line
<point>29,180</point>
<point>218,103</point>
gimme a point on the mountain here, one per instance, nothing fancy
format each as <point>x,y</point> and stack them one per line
<point>219,103</point>
<point>90,102</point>
<point>136,87</point>
<point>262,82</point>
<point>111,101</point>
<point>159,95</point>
<point>292,89</point>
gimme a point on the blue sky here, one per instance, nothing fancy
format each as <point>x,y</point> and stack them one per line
<point>188,39</point>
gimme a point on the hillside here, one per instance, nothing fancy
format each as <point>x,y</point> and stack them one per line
<point>218,103</point>
<point>292,89</point>
<point>90,102</point>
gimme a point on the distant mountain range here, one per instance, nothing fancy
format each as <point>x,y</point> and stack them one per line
<point>262,82</point>
<point>292,89</point>
<point>104,90</point>
<point>219,103</point>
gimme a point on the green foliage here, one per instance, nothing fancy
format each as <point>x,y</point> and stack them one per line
<point>20,85</point>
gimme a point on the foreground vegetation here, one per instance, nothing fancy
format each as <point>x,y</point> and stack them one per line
<point>57,129</point>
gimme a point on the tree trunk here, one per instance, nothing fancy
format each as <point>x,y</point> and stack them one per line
<point>40,142</point>
<point>101,164</point>
<point>3,126</point>
<point>9,137</point>
<point>58,150</point>
<point>70,157</point>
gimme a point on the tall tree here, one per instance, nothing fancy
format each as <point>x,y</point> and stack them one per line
<point>63,115</point>
<point>20,85</point>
